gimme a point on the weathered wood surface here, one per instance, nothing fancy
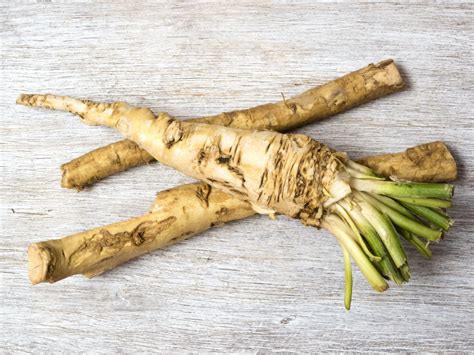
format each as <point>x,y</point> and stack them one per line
<point>256,285</point>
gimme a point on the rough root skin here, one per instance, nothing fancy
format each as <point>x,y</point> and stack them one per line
<point>171,219</point>
<point>431,162</point>
<point>299,174</point>
<point>102,162</point>
<point>288,174</point>
<point>213,206</point>
<point>336,96</point>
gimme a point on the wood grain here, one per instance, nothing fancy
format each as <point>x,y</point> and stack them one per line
<point>252,286</point>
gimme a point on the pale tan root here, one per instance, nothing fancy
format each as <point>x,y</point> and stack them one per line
<point>431,162</point>
<point>336,96</point>
<point>428,162</point>
<point>176,215</point>
<point>278,173</point>
<point>95,251</point>
<point>102,162</point>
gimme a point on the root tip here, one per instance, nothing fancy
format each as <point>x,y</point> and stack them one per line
<point>22,99</point>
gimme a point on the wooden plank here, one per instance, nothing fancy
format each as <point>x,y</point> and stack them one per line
<point>256,285</point>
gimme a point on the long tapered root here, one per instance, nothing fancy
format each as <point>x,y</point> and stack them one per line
<point>353,89</point>
<point>289,174</point>
<point>90,112</point>
<point>41,261</point>
<point>55,102</point>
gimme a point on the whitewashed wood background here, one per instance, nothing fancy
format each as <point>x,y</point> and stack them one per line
<point>251,286</point>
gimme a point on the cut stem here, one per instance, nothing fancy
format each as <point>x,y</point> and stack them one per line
<point>427,202</point>
<point>404,189</point>
<point>384,229</point>
<point>393,204</point>
<point>402,220</point>
<point>337,227</point>
<point>345,216</point>
<point>386,264</point>
<point>421,246</point>
<point>430,215</point>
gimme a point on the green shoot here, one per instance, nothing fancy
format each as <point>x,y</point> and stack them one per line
<point>348,279</point>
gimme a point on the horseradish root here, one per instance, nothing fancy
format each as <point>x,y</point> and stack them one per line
<point>315,104</point>
<point>288,174</point>
<point>277,173</point>
<point>172,218</point>
<point>431,162</point>
<point>98,250</point>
